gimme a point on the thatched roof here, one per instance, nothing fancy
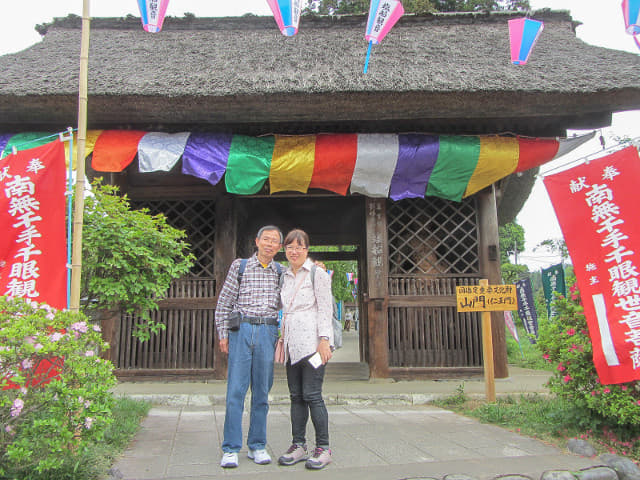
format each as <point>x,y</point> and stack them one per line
<point>445,73</point>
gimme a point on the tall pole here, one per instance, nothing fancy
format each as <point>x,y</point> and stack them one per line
<point>78,213</point>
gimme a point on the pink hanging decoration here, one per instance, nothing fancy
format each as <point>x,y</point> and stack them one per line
<point>287,15</point>
<point>152,14</point>
<point>383,14</point>
<point>523,35</point>
<point>631,13</point>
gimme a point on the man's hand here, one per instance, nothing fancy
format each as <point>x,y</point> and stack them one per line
<point>224,345</point>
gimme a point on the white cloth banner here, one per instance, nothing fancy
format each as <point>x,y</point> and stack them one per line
<point>375,164</point>
<point>161,151</point>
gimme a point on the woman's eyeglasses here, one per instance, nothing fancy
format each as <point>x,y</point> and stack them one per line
<point>291,248</point>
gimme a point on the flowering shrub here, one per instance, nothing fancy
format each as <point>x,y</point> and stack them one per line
<point>565,343</point>
<point>54,387</point>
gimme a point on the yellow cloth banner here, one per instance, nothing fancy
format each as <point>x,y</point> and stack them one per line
<point>498,158</point>
<point>292,163</point>
<point>89,144</point>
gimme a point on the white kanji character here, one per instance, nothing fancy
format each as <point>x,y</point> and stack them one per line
<point>23,204</point>
<point>19,186</point>
<point>26,252</point>
<point>30,289</point>
<point>27,235</point>
<point>4,174</point>
<point>17,288</point>
<point>590,267</point>
<point>623,271</point>
<point>614,238</point>
<point>598,194</point>
<point>633,336</point>
<point>16,271</point>
<point>593,280</point>
<point>26,219</point>
<point>632,319</point>
<point>604,210</point>
<point>630,303</point>
<point>622,288</point>
<point>617,254</point>
<point>577,185</point>
<point>608,224</point>
<point>30,270</point>
<point>635,357</point>
<point>35,165</point>
<point>610,172</point>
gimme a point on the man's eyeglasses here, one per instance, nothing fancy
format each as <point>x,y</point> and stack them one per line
<point>291,248</point>
<point>271,241</point>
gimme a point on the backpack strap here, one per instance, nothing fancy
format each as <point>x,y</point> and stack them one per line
<point>243,266</point>
<point>312,274</point>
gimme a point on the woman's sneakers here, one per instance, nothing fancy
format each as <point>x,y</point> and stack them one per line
<point>321,458</point>
<point>295,454</point>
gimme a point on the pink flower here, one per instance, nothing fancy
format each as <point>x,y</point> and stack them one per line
<point>566,378</point>
<point>17,407</point>
<point>88,422</point>
<point>546,357</point>
<point>89,353</point>
<point>27,363</point>
<point>38,346</point>
<point>607,390</point>
<point>624,388</point>
<point>561,368</point>
<point>55,336</point>
<point>593,393</point>
<point>96,328</point>
<point>80,327</point>
<point>571,332</point>
<point>638,402</point>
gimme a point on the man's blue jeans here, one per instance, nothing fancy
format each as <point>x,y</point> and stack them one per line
<point>251,350</point>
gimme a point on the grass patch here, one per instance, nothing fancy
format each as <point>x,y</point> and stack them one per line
<point>525,355</point>
<point>94,461</point>
<point>546,418</point>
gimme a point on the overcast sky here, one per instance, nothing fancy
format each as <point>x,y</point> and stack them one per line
<point>602,25</point>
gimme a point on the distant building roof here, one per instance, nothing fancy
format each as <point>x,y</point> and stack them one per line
<point>444,73</point>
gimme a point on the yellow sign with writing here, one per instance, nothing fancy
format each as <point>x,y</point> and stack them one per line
<point>486,298</point>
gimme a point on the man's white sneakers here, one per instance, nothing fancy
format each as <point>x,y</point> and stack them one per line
<point>260,456</point>
<point>229,460</point>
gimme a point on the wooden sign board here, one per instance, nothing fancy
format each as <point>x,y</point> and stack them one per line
<point>486,298</point>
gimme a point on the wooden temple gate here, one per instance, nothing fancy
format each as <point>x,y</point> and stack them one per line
<point>411,253</point>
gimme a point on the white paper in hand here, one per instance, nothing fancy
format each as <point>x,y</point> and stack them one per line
<point>315,360</point>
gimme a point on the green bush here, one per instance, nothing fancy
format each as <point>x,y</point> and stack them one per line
<point>566,345</point>
<point>42,420</point>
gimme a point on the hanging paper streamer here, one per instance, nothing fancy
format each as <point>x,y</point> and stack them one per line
<point>631,12</point>
<point>287,15</point>
<point>383,14</point>
<point>152,14</point>
<point>523,35</point>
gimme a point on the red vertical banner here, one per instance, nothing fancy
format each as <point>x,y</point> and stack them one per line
<point>597,208</point>
<point>32,221</point>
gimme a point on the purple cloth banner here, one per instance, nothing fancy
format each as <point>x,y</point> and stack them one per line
<point>417,154</point>
<point>206,154</point>
<point>4,139</point>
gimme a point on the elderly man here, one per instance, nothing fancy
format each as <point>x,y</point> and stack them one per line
<point>250,293</point>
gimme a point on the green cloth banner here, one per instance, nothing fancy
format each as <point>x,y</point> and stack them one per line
<point>553,281</point>
<point>249,164</point>
<point>457,160</point>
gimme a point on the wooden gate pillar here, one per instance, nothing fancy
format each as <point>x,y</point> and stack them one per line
<point>377,295</point>
<point>490,269</point>
<point>225,254</point>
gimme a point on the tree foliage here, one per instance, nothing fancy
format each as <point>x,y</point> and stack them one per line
<point>129,256</point>
<point>511,241</point>
<point>337,7</point>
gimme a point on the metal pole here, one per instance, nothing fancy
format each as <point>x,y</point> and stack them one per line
<point>78,213</point>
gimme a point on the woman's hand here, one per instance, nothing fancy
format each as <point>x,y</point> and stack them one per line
<point>324,349</point>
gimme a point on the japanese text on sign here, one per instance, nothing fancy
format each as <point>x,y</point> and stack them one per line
<point>475,298</point>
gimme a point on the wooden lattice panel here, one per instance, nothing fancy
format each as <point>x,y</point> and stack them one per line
<point>197,219</point>
<point>432,236</point>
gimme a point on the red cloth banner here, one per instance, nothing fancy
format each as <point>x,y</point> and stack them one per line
<point>597,208</point>
<point>32,221</point>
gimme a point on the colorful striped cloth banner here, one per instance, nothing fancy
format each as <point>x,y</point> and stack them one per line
<point>376,165</point>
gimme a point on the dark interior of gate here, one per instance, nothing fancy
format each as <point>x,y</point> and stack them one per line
<point>408,319</point>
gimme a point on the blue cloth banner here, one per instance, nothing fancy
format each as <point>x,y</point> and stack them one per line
<point>527,308</point>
